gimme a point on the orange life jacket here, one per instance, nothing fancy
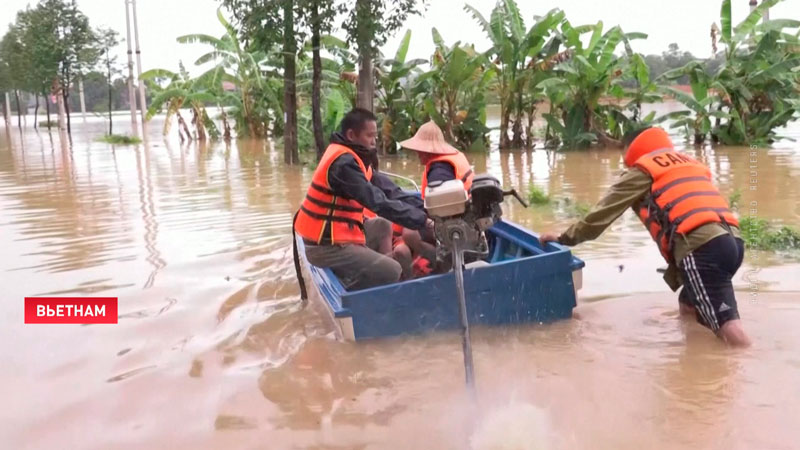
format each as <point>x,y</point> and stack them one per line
<point>682,198</point>
<point>325,216</point>
<point>460,164</point>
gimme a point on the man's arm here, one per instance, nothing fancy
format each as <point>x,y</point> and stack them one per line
<point>346,177</point>
<point>394,192</point>
<point>629,189</point>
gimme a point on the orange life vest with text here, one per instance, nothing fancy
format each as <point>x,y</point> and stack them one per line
<point>681,199</point>
<point>327,217</point>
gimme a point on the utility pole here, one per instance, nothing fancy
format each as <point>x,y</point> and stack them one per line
<point>7,111</point>
<point>131,92</point>
<point>83,100</point>
<point>142,100</point>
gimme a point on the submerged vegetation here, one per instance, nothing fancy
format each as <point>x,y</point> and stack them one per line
<point>537,196</point>
<point>120,139</point>
<point>759,234</point>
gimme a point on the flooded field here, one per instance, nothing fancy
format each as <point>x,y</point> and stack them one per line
<point>215,350</point>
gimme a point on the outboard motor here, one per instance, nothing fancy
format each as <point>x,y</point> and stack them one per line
<point>468,217</point>
<point>460,224</point>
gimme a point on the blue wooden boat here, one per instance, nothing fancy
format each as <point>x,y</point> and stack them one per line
<point>519,282</point>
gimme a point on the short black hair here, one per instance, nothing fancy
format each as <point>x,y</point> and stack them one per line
<point>633,134</point>
<point>355,120</point>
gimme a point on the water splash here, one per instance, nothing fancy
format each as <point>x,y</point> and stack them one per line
<point>516,426</point>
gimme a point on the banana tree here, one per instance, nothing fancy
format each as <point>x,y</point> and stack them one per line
<point>583,80</point>
<point>181,92</point>
<point>755,90</point>
<point>459,81</point>
<point>394,77</point>
<point>760,75</point>
<point>704,103</point>
<point>244,70</point>
<point>514,50</point>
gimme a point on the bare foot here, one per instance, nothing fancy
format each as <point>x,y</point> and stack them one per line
<point>733,334</point>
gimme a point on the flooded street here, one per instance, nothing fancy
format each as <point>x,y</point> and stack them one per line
<point>214,348</point>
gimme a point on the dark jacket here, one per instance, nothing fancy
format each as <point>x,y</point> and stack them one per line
<point>441,171</point>
<point>381,195</point>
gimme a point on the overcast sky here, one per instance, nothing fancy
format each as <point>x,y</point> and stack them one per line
<point>686,22</point>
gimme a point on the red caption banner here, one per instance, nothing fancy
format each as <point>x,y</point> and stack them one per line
<point>80,310</point>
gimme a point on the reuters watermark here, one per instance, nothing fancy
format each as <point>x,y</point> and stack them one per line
<point>75,310</point>
<point>751,276</point>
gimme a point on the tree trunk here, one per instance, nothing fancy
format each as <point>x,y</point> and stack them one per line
<point>225,125</point>
<point>66,111</point>
<point>36,113</point>
<point>366,84</point>
<point>197,121</point>
<point>316,85</point>
<point>529,127</point>
<point>47,107</point>
<point>504,120</point>
<point>290,155</point>
<point>19,111</point>
<point>182,126</point>
<point>65,94</point>
<point>517,139</point>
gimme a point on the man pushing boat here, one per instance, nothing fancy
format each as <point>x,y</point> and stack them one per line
<point>697,234</point>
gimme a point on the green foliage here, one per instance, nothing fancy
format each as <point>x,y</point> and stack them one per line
<point>521,59</point>
<point>181,91</point>
<point>369,23</point>
<point>573,209</point>
<point>120,139</point>
<point>734,199</point>
<point>537,196</point>
<point>759,234</point>
<point>258,103</point>
<point>400,96</point>
<point>458,82</point>
<point>754,91</point>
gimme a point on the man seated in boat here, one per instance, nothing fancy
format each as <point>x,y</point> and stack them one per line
<point>331,217</point>
<point>698,235</point>
<point>442,162</point>
<point>394,244</point>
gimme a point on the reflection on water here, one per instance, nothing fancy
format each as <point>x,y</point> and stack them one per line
<point>214,348</point>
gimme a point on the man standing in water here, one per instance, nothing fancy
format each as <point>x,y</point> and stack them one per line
<point>331,217</point>
<point>698,235</point>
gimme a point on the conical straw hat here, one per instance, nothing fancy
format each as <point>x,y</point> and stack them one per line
<point>429,139</point>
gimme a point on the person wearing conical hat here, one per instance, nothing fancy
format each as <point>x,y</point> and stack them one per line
<point>442,162</point>
<point>692,224</point>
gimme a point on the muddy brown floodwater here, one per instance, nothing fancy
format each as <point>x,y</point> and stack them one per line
<point>214,349</point>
